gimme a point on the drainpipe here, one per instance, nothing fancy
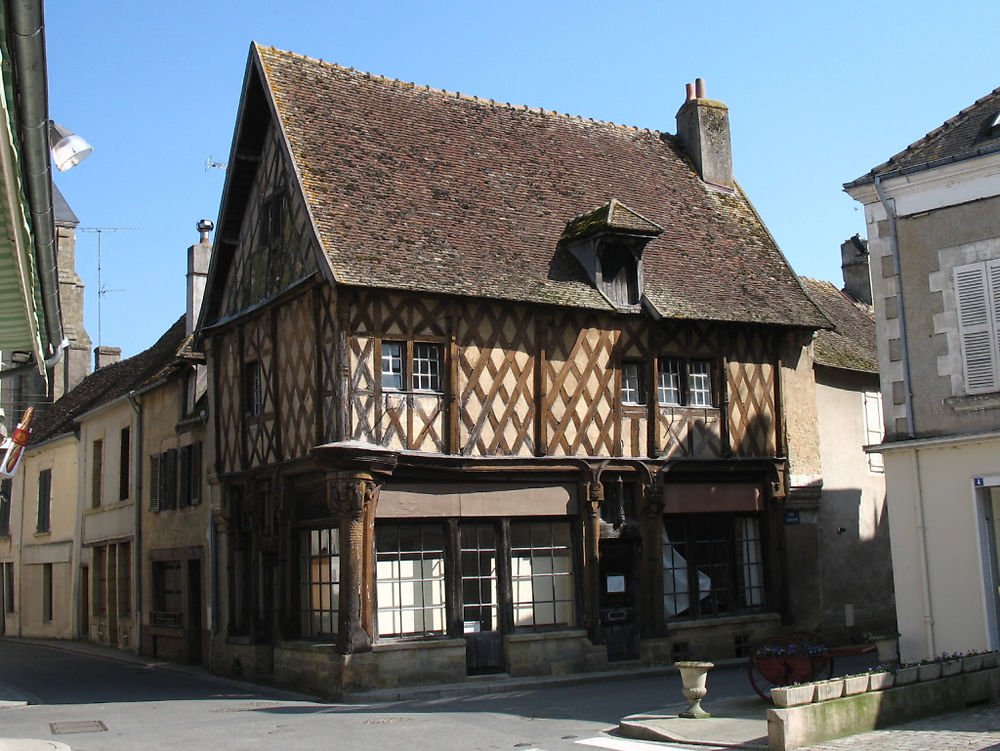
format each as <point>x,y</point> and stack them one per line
<point>894,246</point>
<point>136,457</point>
<point>28,47</point>
<point>925,579</point>
<point>918,496</point>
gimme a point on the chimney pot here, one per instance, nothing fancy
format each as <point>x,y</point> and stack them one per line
<point>204,227</point>
<point>689,92</point>
<point>699,88</point>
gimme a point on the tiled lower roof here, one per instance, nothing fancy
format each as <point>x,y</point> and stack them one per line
<point>851,343</point>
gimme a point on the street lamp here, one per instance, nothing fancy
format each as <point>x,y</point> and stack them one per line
<point>68,149</point>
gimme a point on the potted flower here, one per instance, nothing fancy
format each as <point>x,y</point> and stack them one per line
<point>951,664</point>
<point>972,662</point>
<point>928,670</point>
<point>829,689</point>
<point>906,673</point>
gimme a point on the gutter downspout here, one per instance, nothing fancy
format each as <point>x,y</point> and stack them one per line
<point>918,499</point>
<point>137,535</point>
<point>28,46</point>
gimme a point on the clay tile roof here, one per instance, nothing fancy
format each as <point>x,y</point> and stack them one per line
<point>851,344</point>
<point>110,383</point>
<point>968,134</point>
<point>420,189</point>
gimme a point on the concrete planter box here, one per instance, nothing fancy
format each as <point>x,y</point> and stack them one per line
<point>972,663</point>
<point>951,667</point>
<point>793,696</point>
<point>831,689</point>
<point>989,660</point>
<point>930,671</point>
<point>881,681</point>
<point>856,684</point>
<point>906,676</point>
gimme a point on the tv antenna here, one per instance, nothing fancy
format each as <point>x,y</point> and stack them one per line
<point>212,164</point>
<point>101,289</point>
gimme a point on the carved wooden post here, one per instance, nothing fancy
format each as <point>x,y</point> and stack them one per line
<point>651,573</point>
<point>593,492</point>
<point>351,497</point>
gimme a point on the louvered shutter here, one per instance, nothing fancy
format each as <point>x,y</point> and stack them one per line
<point>154,482</point>
<point>976,328</point>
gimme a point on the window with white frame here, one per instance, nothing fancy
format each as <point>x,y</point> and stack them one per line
<point>418,370</point>
<point>977,298</point>
<point>410,583</point>
<point>319,580</point>
<point>633,388</point>
<point>541,570</point>
<point>874,428</point>
<point>684,382</point>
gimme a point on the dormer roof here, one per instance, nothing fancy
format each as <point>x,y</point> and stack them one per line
<point>613,216</point>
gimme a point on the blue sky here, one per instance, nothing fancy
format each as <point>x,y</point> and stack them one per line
<point>818,94</point>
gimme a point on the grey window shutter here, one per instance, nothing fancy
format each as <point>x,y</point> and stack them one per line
<point>976,327</point>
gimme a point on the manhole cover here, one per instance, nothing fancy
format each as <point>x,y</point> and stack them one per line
<point>80,726</point>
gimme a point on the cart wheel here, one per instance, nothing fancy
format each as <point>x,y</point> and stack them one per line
<point>778,661</point>
<point>819,653</point>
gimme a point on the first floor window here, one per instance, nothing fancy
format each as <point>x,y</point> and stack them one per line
<point>541,558</point>
<point>44,500</point>
<point>253,398</point>
<point>410,586</point>
<point>319,581</point>
<point>633,389</point>
<point>5,490</point>
<point>685,383</point>
<point>977,302</point>
<point>418,371</point>
<point>713,565</point>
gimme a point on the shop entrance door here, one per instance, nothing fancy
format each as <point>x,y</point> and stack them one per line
<point>619,625</point>
<point>480,600</point>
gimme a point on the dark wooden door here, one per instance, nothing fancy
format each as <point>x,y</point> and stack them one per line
<point>480,599</point>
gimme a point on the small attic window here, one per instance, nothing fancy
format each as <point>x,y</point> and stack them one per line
<point>995,124</point>
<point>608,242</point>
<point>619,271</point>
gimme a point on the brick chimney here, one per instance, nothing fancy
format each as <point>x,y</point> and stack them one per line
<point>854,266</point>
<point>106,356</point>
<point>703,127</point>
<point>198,258</point>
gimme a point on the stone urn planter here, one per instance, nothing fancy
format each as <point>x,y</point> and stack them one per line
<point>929,671</point>
<point>694,675</point>
<point>951,667</point>
<point>887,646</point>
<point>831,689</point>
<point>881,681</point>
<point>856,684</point>
<point>972,663</point>
<point>906,676</point>
<point>793,696</point>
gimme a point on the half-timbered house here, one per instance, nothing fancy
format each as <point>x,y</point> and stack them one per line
<point>493,389</point>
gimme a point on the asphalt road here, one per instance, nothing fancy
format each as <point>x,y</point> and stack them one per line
<point>102,700</point>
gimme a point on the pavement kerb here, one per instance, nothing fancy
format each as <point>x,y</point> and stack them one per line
<point>477,686</point>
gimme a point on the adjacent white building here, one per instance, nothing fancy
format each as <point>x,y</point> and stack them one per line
<point>933,218</point>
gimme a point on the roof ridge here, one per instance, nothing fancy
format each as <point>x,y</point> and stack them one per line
<point>459,95</point>
<point>932,134</point>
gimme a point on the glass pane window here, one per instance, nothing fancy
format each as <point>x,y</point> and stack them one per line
<point>319,581</point>
<point>541,559</point>
<point>410,584</point>
<point>713,565</point>
<point>479,578</point>
<point>167,591</point>
<point>700,384</point>
<point>392,365</point>
<point>426,367</point>
<point>668,389</point>
<point>632,386</point>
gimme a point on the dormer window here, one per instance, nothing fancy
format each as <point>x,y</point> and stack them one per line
<point>608,242</point>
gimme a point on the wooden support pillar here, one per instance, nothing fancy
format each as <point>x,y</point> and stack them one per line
<point>651,571</point>
<point>351,498</point>
<point>593,492</point>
